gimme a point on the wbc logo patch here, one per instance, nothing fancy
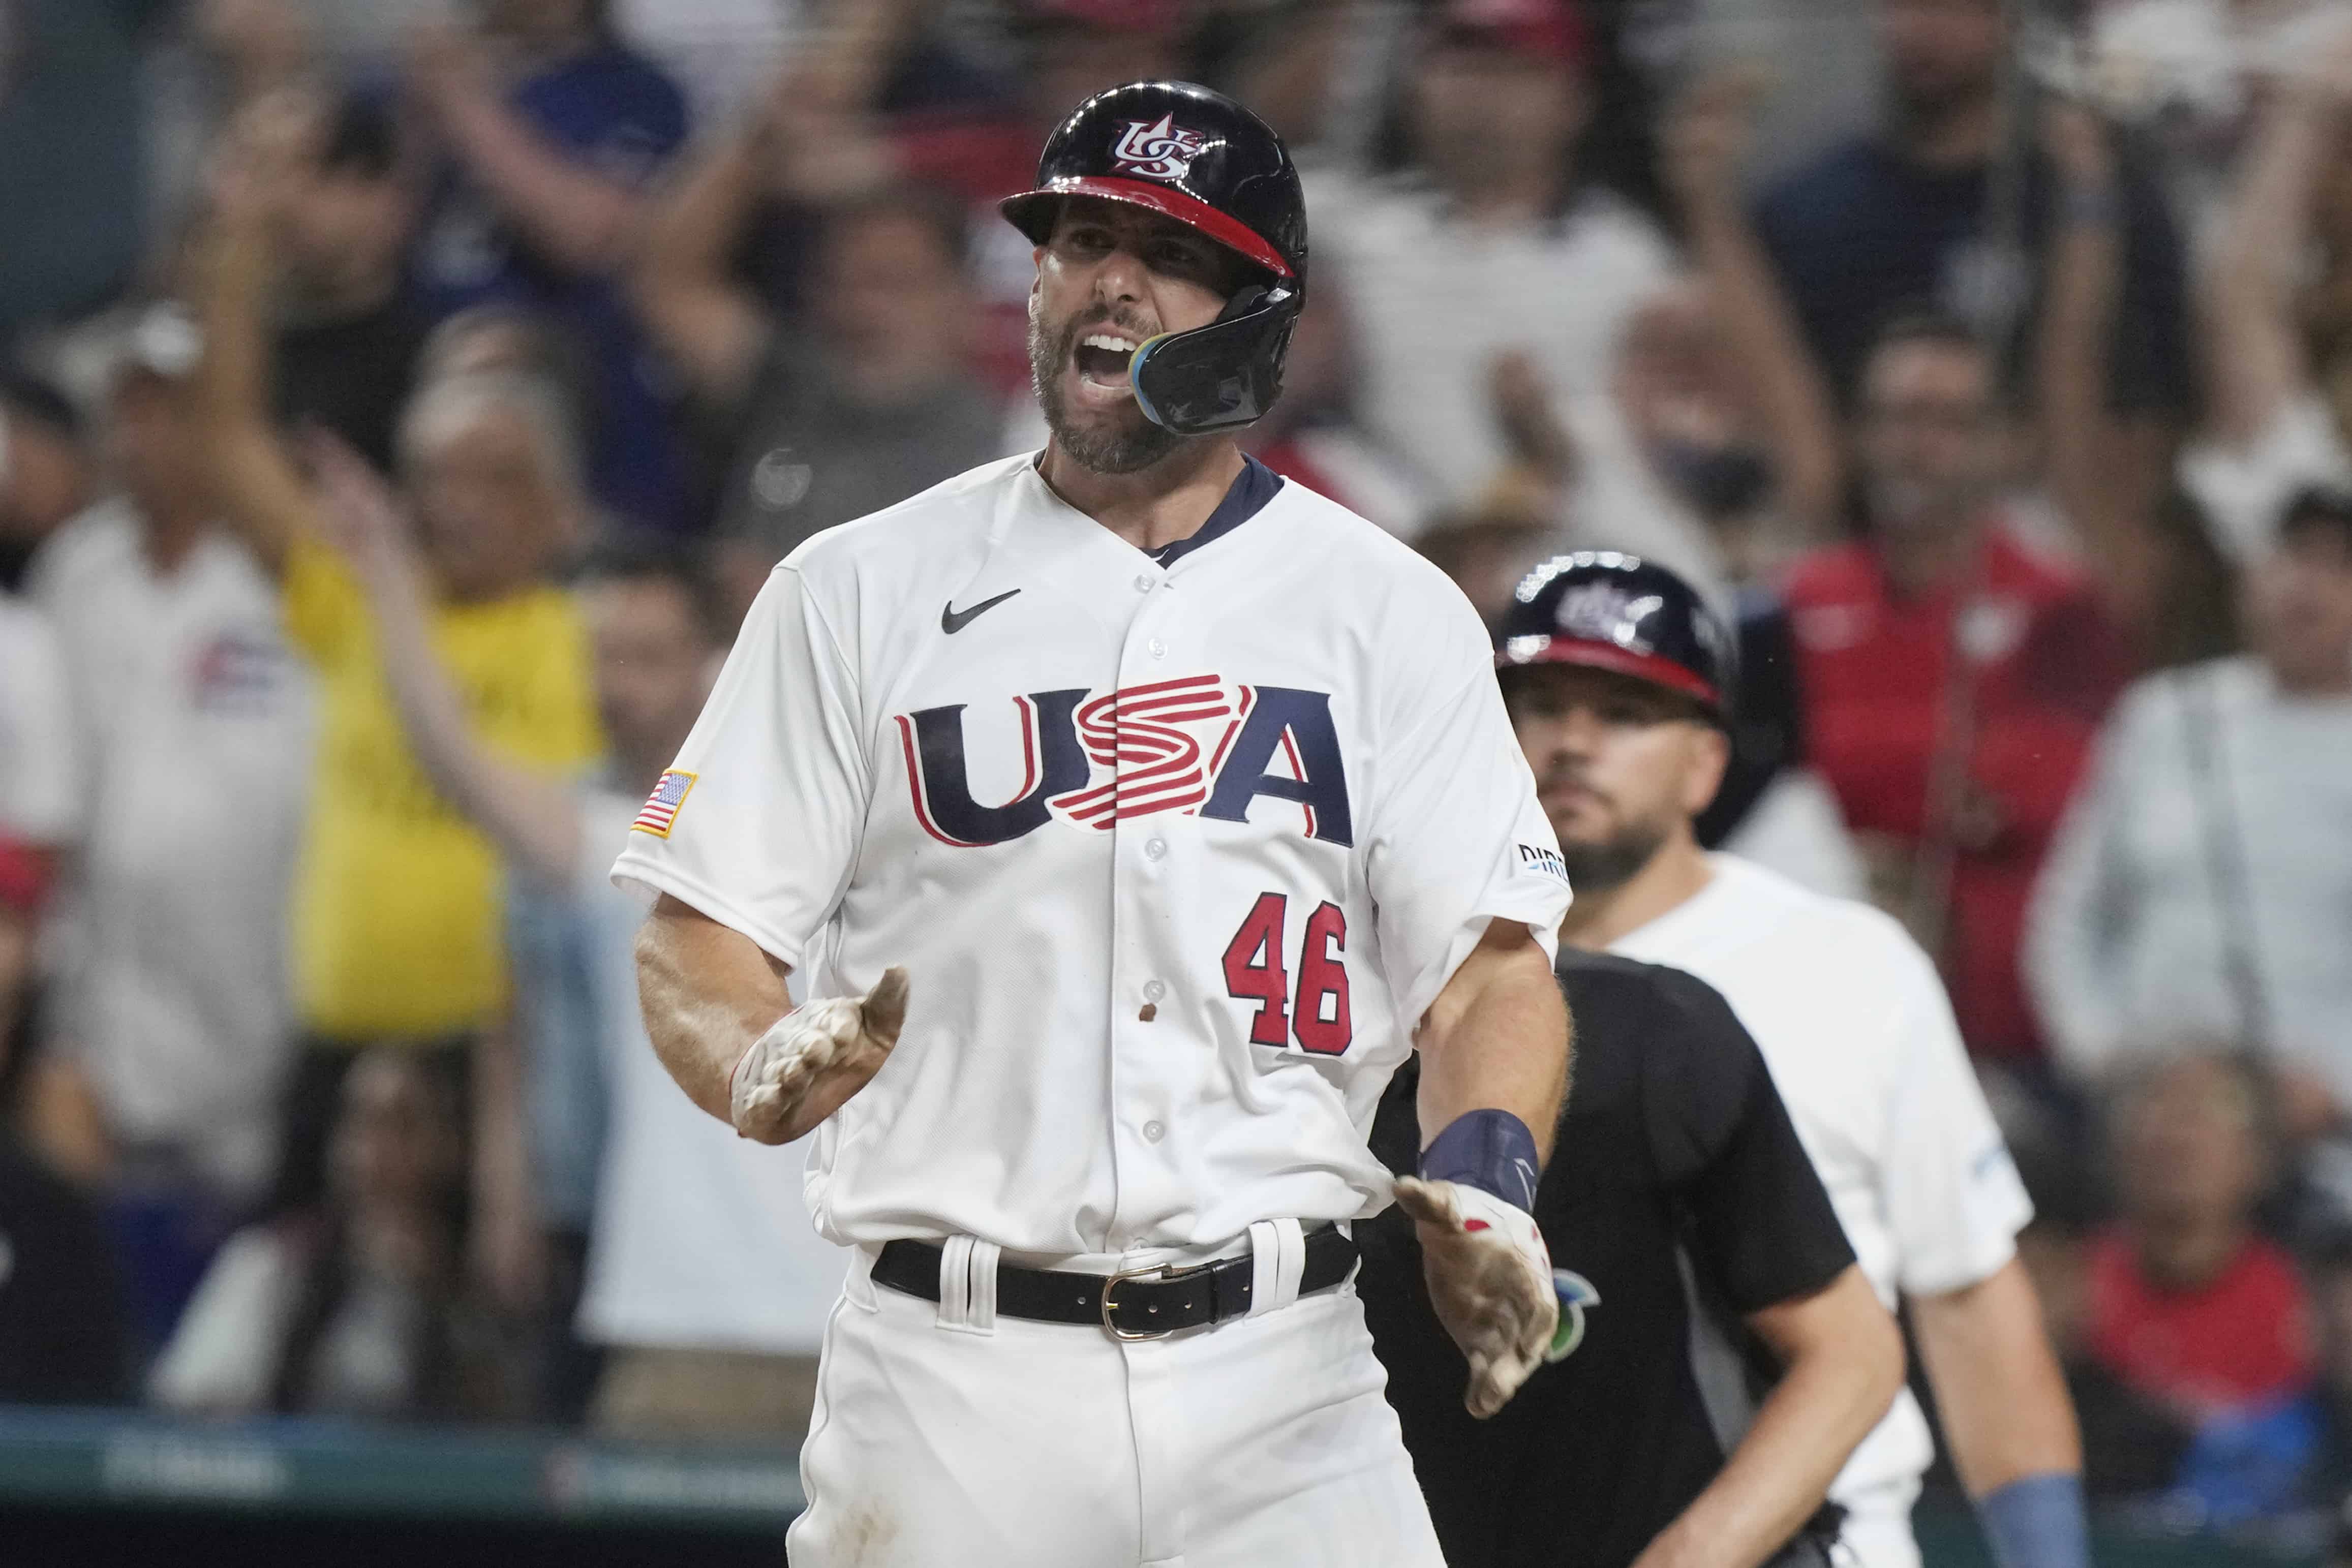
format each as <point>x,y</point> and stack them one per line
<point>1157,149</point>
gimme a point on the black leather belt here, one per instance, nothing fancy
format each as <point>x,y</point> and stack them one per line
<point>1138,1303</point>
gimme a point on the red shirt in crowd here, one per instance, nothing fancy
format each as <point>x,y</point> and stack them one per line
<point>2243,1340</point>
<point>2043,663</point>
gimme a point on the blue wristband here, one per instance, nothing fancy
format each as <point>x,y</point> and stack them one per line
<point>2037,1522</point>
<point>1490,1150</point>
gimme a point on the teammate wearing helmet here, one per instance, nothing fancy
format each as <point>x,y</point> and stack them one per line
<point>1734,1352</point>
<point>1615,675</point>
<point>1120,818</point>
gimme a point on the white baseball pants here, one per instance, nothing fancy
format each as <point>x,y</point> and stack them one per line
<point>947,1437</point>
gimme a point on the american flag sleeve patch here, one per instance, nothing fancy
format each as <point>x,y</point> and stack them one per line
<point>660,813</point>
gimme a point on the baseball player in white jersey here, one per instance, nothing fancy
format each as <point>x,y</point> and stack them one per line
<point>1121,816</point>
<point>1616,675</point>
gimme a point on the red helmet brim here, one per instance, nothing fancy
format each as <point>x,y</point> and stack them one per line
<point>1620,660</point>
<point>1165,200</point>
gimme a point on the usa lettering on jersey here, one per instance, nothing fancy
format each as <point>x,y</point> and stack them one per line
<point>1195,745</point>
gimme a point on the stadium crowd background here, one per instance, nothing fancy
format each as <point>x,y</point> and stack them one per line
<point>404,400</point>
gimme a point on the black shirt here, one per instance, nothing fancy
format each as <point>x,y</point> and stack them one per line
<point>1675,1144</point>
<point>352,376</point>
<point>62,1334</point>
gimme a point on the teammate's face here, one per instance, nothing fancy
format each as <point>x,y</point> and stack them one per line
<point>652,663</point>
<point>1110,276</point>
<point>1620,765</point>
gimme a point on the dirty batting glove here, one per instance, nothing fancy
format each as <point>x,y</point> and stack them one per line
<point>831,1038</point>
<point>1490,1275</point>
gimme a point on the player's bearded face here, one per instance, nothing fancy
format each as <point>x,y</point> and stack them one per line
<point>1109,436</point>
<point>1613,762</point>
<point>1110,276</point>
<point>1603,846</point>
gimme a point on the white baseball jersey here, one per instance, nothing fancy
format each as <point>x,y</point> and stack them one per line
<point>1176,855</point>
<point>1855,1024</point>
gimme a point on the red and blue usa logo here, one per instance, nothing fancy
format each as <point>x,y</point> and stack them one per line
<point>1198,745</point>
<point>1160,150</point>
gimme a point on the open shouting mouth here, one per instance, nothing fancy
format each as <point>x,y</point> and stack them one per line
<point>1101,360</point>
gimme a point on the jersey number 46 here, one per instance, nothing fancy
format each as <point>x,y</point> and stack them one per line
<point>1317,1016</point>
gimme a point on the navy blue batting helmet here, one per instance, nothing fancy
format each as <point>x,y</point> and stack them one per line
<point>1620,613</point>
<point>1194,156</point>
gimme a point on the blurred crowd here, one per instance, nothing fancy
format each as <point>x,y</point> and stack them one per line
<point>402,401</point>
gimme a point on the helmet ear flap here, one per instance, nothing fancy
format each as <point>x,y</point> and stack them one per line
<point>1245,300</point>
<point>1224,375</point>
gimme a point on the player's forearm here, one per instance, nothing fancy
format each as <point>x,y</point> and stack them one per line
<point>1497,1037</point>
<point>707,993</point>
<point>1845,1365</point>
<point>1998,1384</point>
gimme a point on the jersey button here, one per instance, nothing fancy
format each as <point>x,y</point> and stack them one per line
<point>1142,582</point>
<point>1153,990</point>
<point>1153,1132</point>
<point>1159,649</point>
<point>1156,849</point>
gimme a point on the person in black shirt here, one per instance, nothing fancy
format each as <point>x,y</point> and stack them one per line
<point>348,339</point>
<point>1677,1192</point>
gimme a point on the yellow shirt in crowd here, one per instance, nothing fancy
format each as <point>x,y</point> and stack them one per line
<point>397,921</point>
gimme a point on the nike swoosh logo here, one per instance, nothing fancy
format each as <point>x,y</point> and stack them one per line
<point>952,621</point>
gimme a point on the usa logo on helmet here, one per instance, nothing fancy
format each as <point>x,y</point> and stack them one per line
<point>1605,612</point>
<point>1157,149</point>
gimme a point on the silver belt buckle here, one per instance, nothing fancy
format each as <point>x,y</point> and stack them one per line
<point>1110,1285</point>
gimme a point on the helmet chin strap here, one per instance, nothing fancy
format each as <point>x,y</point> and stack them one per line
<point>1218,377</point>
